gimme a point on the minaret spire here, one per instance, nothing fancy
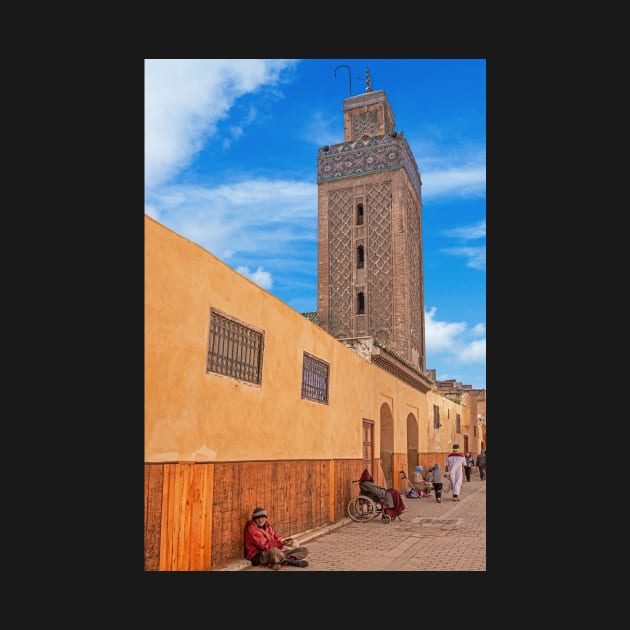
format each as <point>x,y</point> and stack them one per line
<point>368,80</point>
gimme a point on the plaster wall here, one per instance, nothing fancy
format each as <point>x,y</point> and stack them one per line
<point>191,415</point>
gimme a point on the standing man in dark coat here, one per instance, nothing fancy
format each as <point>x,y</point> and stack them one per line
<point>481,464</point>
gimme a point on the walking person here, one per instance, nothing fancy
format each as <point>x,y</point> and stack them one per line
<point>437,479</point>
<point>264,545</point>
<point>481,464</point>
<point>468,464</point>
<point>455,468</point>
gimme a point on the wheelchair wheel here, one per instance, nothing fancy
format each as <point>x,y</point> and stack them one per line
<point>387,519</point>
<point>446,486</point>
<point>362,508</point>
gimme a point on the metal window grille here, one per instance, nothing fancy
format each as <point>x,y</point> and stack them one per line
<point>458,423</point>
<point>314,379</point>
<point>234,349</point>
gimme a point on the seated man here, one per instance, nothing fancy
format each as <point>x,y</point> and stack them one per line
<point>263,545</point>
<point>366,483</point>
<point>394,505</point>
<point>419,482</point>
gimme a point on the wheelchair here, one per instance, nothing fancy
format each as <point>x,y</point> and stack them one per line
<point>367,506</point>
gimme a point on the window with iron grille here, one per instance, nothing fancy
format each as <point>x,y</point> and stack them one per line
<point>436,417</point>
<point>458,423</point>
<point>234,349</point>
<point>314,379</point>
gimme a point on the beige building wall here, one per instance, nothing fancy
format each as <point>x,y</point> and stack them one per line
<point>191,415</point>
<point>196,416</point>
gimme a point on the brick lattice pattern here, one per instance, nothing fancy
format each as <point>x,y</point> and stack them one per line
<point>340,239</point>
<point>414,260</point>
<point>380,273</point>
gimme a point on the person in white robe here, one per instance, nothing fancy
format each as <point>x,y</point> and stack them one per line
<point>455,468</point>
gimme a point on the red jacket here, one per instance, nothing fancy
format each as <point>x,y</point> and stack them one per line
<point>260,539</point>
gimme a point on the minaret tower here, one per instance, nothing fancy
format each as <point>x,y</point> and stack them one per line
<point>370,277</point>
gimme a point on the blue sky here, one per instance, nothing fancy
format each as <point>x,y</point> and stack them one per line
<point>230,163</point>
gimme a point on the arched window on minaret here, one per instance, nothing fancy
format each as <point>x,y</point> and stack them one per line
<point>360,214</point>
<point>360,258</point>
<point>360,303</point>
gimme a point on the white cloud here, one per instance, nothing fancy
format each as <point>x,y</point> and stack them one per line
<point>441,336</point>
<point>475,255</point>
<point>474,352</point>
<point>468,232</point>
<point>453,171</point>
<point>260,277</point>
<point>253,215</point>
<point>184,100</point>
<point>463,181</point>
<point>454,340</point>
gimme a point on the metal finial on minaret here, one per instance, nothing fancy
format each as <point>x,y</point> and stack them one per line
<point>368,80</point>
<point>349,75</point>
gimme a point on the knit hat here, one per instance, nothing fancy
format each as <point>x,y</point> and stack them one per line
<point>259,511</point>
<point>455,448</point>
<point>419,469</point>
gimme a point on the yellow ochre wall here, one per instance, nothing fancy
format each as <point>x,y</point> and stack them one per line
<point>195,416</point>
<point>215,447</point>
